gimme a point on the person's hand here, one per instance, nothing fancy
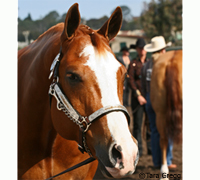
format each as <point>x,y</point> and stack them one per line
<point>141,100</point>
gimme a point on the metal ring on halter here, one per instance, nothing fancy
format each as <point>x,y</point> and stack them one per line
<point>84,124</point>
<point>55,80</point>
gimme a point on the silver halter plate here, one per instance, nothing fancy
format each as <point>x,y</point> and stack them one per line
<point>53,65</point>
<point>64,105</point>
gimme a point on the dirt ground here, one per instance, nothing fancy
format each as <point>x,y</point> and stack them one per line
<point>145,169</point>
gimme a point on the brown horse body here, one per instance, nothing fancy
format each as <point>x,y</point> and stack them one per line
<point>47,138</point>
<point>166,99</point>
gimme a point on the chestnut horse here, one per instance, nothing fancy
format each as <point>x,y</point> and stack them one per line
<point>166,99</point>
<point>85,105</point>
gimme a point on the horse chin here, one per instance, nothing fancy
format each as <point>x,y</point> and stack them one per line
<point>104,171</point>
<point>111,173</point>
<point>116,173</point>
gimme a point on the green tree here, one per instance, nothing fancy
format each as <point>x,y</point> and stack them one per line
<point>25,25</point>
<point>97,23</point>
<point>162,17</point>
<point>37,27</point>
<point>28,18</point>
<point>126,13</point>
<point>50,19</point>
<point>129,22</point>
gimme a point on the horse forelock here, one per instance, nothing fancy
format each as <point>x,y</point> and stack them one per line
<point>97,40</point>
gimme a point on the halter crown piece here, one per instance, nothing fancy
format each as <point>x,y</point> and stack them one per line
<point>64,105</point>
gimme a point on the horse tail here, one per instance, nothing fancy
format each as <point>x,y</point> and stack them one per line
<point>174,101</point>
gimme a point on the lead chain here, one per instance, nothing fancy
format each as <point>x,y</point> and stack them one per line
<point>80,124</point>
<point>86,147</point>
<point>60,106</point>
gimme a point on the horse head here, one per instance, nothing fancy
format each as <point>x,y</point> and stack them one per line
<point>91,79</point>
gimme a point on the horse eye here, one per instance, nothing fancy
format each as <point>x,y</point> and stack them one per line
<point>73,77</point>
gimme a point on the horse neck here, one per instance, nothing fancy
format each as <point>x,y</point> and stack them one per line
<point>47,49</point>
<point>34,68</point>
<point>45,58</point>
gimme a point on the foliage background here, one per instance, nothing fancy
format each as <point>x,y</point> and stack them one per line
<point>159,17</point>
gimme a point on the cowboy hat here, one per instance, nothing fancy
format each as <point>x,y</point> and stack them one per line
<point>140,43</point>
<point>157,43</point>
<point>124,49</point>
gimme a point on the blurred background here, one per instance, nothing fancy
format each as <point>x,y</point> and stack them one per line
<point>141,18</point>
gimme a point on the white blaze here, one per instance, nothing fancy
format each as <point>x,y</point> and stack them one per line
<point>105,68</point>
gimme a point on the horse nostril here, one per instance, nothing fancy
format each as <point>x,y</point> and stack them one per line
<point>116,156</point>
<point>116,152</point>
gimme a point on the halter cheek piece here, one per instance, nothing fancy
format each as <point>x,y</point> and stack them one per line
<point>64,105</point>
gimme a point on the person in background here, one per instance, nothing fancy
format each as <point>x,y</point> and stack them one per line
<point>156,47</point>
<point>137,100</point>
<point>125,60</point>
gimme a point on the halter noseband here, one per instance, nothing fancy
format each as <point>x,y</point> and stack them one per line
<point>64,105</point>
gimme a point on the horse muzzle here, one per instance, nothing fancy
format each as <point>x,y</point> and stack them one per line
<point>117,161</point>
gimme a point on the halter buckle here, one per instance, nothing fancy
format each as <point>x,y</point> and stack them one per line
<point>84,123</point>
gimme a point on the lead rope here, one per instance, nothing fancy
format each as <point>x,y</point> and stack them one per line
<point>87,161</point>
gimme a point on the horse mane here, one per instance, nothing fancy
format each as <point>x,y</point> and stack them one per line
<point>174,100</point>
<point>51,31</point>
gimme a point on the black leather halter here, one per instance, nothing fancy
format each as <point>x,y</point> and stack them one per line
<point>64,105</point>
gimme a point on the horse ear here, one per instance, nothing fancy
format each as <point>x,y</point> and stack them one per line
<point>112,25</point>
<point>72,22</point>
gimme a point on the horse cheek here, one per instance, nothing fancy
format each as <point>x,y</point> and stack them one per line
<point>62,124</point>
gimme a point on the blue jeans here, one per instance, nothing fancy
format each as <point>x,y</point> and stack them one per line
<point>137,122</point>
<point>155,137</point>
